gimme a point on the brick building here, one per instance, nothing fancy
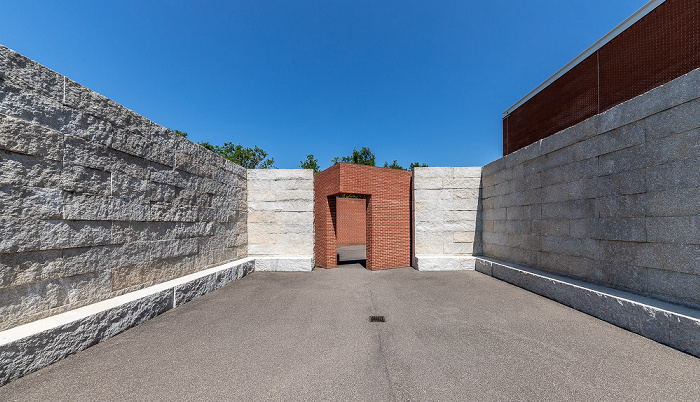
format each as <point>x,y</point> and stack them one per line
<point>387,195</point>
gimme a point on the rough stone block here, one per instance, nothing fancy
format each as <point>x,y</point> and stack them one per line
<point>28,349</point>
<point>130,142</point>
<point>464,237</point>
<point>461,182</point>
<point>35,266</point>
<point>19,69</point>
<point>205,284</point>
<point>27,105</point>
<point>99,208</point>
<point>192,165</point>
<point>19,235</point>
<point>80,179</point>
<point>25,138</point>
<point>29,170</point>
<point>29,202</point>
<point>685,333</point>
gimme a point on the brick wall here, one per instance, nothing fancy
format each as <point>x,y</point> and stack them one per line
<point>351,221</point>
<point>658,48</point>
<point>612,200</point>
<point>388,213</point>
<point>97,200</point>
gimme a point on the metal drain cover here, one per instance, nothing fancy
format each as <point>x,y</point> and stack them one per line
<point>376,318</point>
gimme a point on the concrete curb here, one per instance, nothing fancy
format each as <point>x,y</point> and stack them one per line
<point>29,347</point>
<point>670,324</point>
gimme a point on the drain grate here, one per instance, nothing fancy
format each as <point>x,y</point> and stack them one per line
<point>376,318</point>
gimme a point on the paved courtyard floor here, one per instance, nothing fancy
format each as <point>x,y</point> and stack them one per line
<point>307,336</point>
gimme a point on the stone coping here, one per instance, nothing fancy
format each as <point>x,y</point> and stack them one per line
<point>29,347</point>
<point>670,324</point>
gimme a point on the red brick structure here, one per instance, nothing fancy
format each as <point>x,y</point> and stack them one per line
<point>388,219</point>
<point>351,218</point>
<point>662,46</point>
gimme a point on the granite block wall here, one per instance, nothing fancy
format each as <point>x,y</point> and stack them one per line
<point>446,217</point>
<point>612,200</point>
<point>97,200</point>
<point>281,218</point>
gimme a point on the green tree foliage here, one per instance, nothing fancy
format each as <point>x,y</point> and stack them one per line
<point>418,164</point>
<point>393,165</point>
<point>362,157</point>
<point>178,132</point>
<point>249,158</point>
<point>310,163</point>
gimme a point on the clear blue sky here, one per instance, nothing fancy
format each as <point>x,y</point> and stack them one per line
<point>413,80</point>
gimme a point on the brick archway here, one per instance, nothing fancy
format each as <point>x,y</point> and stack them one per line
<point>388,226</point>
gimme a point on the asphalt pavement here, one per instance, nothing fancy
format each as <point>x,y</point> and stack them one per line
<point>308,336</point>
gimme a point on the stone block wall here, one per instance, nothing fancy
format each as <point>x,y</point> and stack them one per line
<point>281,219</point>
<point>612,200</point>
<point>97,200</point>
<point>446,217</point>
<point>351,221</point>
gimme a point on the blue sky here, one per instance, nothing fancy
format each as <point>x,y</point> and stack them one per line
<point>413,80</point>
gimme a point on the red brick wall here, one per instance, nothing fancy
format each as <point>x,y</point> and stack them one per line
<point>351,217</point>
<point>388,224</point>
<point>660,47</point>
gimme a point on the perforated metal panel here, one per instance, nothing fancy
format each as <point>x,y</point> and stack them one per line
<point>661,46</point>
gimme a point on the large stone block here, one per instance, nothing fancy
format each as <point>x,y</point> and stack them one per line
<point>191,164</point>
<point>20,235</point>
<point>29,170</point>
<point>624,206</point>
<point>132,143</point>
<point>29,202</point>
<point>287,263</point>
<point>26,303</point>
<point>572,209</point>
<point>27,105</point>
<point>673,175</point>
<point>100,208</point>
<point>25,138</point>
<point>675,287</point>
<point>677,119</point>
<point>673,229</point>
<point>569,136</point>
<point>30,267</point>
<point>18,69</point>
<point>444,263</point>
<point>674,202</point>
